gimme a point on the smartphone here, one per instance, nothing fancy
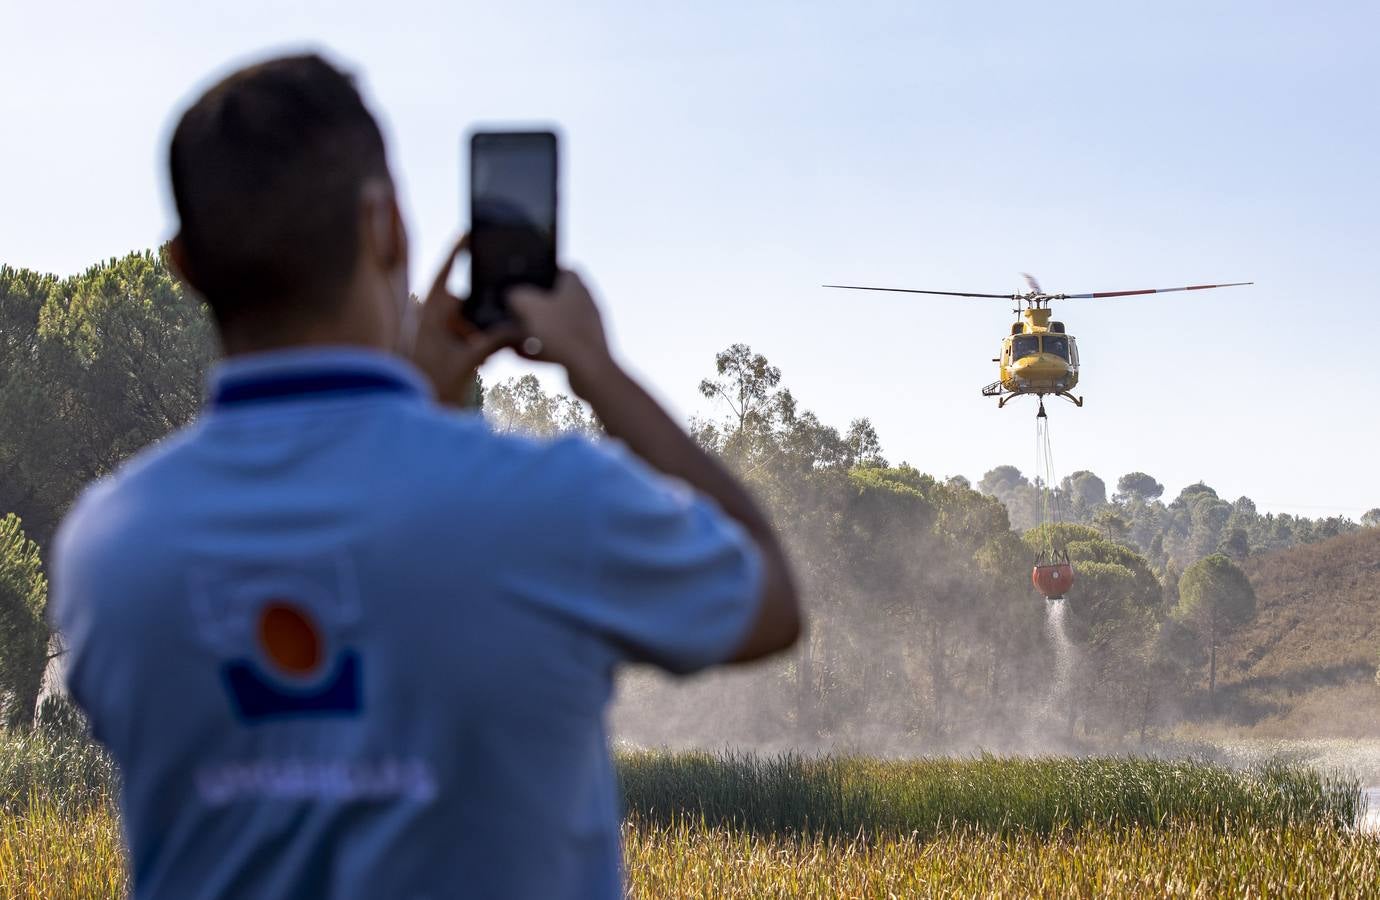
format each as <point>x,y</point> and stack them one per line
<point>513,210</point>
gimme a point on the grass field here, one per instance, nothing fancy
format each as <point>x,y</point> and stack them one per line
<point>1184,861</point>
<point>700,825</point>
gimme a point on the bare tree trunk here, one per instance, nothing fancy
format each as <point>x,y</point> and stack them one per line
<point>1212,675</point>
<point>23,702</point>
<point>938,678</point>
<point>1212,660</point>
<point>805,689</point>
<point>993,684</point>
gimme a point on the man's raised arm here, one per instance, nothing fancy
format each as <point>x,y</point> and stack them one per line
<point>564,327</point>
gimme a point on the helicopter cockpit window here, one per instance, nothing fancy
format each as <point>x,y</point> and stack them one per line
<point>1024,345</point>
<point>1059,346</point>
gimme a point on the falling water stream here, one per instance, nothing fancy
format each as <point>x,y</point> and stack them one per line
<point>1063,649</point>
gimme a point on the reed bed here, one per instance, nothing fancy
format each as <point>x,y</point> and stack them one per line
<point>70,773</point>
<point>852,796</point>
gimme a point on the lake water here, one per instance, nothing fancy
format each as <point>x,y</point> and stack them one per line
<point>1357,758</point>
<point>1370,822</point>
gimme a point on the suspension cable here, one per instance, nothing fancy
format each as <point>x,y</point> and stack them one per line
<point>1051,512</point>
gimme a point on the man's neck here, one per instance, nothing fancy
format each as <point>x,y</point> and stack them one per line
<point>344,332</point>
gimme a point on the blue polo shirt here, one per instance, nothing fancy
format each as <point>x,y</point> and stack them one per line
<point>345,643</point>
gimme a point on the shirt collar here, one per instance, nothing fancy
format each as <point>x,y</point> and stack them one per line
<point>311,374</point>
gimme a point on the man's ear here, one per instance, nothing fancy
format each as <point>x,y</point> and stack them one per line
<point>385,237</point>
<point>177,255</point>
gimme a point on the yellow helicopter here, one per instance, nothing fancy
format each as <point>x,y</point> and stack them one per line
<point>1038,357</point>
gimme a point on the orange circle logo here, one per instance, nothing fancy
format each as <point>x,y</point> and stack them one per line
<point>289,638</point>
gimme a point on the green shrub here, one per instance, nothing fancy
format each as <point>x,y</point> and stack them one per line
<point>61,771</point>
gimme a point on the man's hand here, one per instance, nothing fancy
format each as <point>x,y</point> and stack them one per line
<point>565,325</point>
<point>445,347</point>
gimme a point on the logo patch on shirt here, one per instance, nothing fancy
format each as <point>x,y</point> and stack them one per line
<point>282,634</point>
<point>289,638</point>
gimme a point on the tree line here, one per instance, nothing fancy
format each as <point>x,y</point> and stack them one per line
<point>1174,535</point>
<point>92,368</point>
<point>925,624</point>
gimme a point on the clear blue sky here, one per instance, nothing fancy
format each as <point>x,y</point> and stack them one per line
<point>725,159</point>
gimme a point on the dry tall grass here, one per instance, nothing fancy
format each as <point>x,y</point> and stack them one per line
<point>1189,861</point>
<point>47,851</point>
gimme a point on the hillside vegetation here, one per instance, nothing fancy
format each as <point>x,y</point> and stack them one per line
<point>1305,665</point>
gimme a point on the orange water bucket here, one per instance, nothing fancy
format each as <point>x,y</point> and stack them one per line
<point>1052,579</point>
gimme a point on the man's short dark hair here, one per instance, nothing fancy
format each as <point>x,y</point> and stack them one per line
<point>267,168</point>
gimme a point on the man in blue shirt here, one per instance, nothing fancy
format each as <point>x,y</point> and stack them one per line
<point>342,641</point>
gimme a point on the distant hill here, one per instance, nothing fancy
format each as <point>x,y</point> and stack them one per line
<point>1308,660</point>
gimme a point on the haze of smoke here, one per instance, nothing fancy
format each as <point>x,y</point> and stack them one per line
<point>894,669</point>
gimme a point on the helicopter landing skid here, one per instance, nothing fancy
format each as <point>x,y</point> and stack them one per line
<point>1005,397</point>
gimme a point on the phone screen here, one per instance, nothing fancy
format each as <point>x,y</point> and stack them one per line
<point>512,219</point>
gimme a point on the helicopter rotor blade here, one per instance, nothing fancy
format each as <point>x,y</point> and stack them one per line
<point>1099,295</point>
<point>856,287</point>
